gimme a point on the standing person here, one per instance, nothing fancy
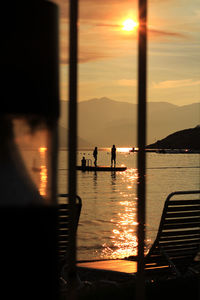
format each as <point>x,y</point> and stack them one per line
<point>113,156</point>
<point>83,163</point>
<point>95,152</point>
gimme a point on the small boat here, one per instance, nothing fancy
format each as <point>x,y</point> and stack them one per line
<point>101,168</point>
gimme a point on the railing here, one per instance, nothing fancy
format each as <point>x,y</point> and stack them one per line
<point>88,162</point>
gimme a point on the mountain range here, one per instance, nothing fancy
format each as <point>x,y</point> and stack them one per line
<point>103,122</point>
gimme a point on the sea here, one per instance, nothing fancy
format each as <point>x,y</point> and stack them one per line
<point>108,221</point>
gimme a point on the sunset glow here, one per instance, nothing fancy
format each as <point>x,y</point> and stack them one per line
<point>42,149</point>
<point>124,149</point>
<point>129,25</point>
<point>108,42</point>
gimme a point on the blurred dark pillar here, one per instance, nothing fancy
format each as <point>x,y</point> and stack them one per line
<point>29,91</point>
<point>141,191</point>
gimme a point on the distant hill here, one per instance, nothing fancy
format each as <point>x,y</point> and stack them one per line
<point>104,122</point>
<point>183,139</point>
<point>63,139</point>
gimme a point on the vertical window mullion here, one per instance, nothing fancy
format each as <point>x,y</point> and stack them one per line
<point>141,138</point>
<point>72,138</point>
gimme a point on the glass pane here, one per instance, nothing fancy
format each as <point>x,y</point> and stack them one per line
<point>25,155</point>
<point>107,117</point>
<point>173,104</point>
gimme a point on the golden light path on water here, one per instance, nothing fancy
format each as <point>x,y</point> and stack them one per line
<point>124,232</point>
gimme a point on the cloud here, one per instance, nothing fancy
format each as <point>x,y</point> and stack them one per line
<point>156,32</point>
<point>107,25</point>
<point>127,82</point>
<point>152,32</point>
<point>100,36</point>
<point>98,9</point>
<point>175,83</point>
<point>85,56</point>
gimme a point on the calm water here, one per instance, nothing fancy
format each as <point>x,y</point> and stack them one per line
<point>107,227</point>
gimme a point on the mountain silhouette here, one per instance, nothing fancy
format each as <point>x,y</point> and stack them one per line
<point>183,139</point>
<point>104,122</point>
<point>63,139</point>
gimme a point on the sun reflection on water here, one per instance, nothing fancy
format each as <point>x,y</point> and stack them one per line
<point>43,172</point>
<point>43,181</point>
<point>123,238</point>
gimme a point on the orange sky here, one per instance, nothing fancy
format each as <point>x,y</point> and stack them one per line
<point>108,55</point>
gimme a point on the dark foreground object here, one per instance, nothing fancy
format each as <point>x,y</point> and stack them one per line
<point>102,288</point>
<point>28,252</point>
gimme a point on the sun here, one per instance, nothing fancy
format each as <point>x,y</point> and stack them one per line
<point>129,25</point>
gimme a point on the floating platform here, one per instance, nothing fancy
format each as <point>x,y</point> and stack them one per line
<point>101,168</point>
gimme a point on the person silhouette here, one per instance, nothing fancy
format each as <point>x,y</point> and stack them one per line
<point>83,163</point>
<point>95,152</point>
<point>113,156</point>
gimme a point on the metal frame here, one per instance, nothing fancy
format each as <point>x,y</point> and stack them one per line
<point>72,138</point>
<point>141,138</point>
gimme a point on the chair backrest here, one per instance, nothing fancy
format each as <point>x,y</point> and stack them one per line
<point>178,238</point>
<point>63,224</point>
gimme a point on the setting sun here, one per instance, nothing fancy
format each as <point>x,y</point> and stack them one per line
<point>129,25</point>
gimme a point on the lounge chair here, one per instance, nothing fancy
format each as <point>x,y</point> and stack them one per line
<point>63,222</point>
<point>176,246</point>
<point>178,240</point>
